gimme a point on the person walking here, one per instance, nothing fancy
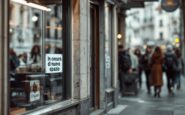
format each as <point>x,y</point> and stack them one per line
<point>134,61</point>
<point>120,65</point>
<point>157,61</point>
<point>146,67</point>
<point>180,67</point>
<point>124,62</point>
<point>139,56</point>
<point>170,63</point>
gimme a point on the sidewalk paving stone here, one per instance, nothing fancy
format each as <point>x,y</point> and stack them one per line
<point>144,104</point>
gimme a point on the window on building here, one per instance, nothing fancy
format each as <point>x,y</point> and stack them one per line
<point>36,56</point>
<point>145,20</point>
<point>151,18</point>
<point>161,23</point>
<point>161,36</point>
<point>160,11</point>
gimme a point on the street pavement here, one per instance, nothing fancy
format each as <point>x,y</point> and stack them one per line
<point>144,104</point>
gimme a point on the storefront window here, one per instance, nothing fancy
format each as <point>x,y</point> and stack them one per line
<point>35,54</point>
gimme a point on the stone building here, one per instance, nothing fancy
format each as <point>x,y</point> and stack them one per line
<point>60,56</point>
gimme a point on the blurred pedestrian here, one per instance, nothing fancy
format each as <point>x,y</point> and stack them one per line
<point>146,67</point>
<point>170,68</point>
<point>134,61</point>
<point>120,65</point>
<point>35,54</point>
<point>157,61</point>
<point>139,57</point>
<point>23,59</point>
<point>180,67</point>
<point>14,60</point>
<point>124,63</point>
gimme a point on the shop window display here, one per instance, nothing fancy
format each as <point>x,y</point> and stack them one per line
<point>35,56</point>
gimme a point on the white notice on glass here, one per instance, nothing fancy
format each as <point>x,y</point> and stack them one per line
<point>34,90</point>
<point>54,63</point>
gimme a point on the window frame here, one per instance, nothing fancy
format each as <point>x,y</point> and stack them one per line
<point>161,23</point>
<point>4,52</point>
<point>67,32</point>
<point>161,36</point>
<point>67,61</point>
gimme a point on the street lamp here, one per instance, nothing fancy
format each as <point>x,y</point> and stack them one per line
<point>119,36</point>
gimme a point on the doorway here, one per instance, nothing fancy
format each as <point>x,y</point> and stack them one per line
<point>94,46</point>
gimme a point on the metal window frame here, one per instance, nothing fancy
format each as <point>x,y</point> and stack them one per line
<point>67,17</point>
<point>4,34</point>
<point>1,37</point>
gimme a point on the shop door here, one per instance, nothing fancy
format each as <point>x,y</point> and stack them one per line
<point>94,78</point>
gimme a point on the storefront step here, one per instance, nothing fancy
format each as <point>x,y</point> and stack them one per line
<point>98,112</point>
<point>117,111</point>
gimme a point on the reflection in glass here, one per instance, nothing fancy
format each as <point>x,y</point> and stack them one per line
<point>33,34</point>
<point>25,37</point>
<point>53,45</point>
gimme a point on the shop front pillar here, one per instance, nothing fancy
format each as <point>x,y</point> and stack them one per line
<point>4,57</point>
<point>76,51</point>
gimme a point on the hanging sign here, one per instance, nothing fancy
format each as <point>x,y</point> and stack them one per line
<point>54,63</point>
<point>170,5</point>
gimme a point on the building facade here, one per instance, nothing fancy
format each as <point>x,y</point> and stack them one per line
<point>154,23</point>
<point>59,57</point>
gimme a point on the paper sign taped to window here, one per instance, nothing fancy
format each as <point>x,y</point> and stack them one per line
<point>54,63</point>
<point>34,90</point>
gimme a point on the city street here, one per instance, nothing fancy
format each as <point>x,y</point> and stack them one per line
<point>145,104</point>
<point>68,57</point>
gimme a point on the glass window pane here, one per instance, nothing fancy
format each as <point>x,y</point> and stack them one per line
<point>25,39</point>
<point>35,55</point>
<point>54,49</point>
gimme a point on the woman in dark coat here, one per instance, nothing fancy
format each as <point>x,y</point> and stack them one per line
<point>156,71</point>
<point>139,57</point>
